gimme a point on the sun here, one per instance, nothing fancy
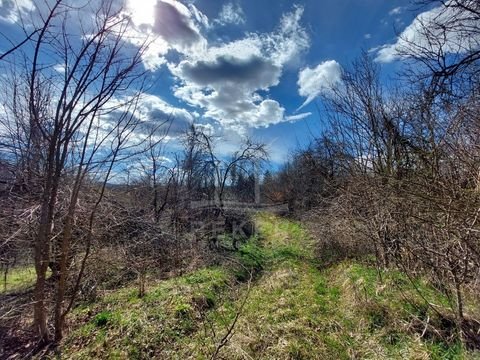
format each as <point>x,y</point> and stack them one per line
<point>142,11</point>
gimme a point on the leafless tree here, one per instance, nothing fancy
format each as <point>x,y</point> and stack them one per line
<point>67,122</point>
<point>405,164</point>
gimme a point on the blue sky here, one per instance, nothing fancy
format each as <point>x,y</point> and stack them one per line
<point>250,67</point>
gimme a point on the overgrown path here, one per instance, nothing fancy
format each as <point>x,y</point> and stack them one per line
<point>290,309</point>
<point>284,316</point>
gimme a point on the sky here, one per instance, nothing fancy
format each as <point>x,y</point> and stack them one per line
<point>251,68</point>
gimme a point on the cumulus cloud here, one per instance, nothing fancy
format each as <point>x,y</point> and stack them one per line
<point>154,111</point>
<point>163,24</point>
<point>154,56</point>
<point>233,107</point>
<point>231,13</point>
<point>225,81</point>
<point>207,129</point>
<point>319,80</point>
<point>81,21</point>
<point>173,22</point>
<point>448,25</point>
<point>167,25</point>
<point>255,72</point>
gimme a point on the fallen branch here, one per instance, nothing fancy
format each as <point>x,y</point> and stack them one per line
<point>228,335</point>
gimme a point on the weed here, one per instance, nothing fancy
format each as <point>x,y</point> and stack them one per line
<point>183,311</point>
<point>102,318</point>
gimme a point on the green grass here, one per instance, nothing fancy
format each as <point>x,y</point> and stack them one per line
<point>123,326</point>
<point>295,309</point>
<point>18,278</point>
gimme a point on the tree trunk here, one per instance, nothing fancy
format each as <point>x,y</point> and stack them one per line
<point>459,303</point>
<point>62,278</point>
<point>41,265</point>
<point>42,251</point>
<point>141,290</point>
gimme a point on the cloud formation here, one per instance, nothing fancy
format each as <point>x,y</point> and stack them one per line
<point>313,82</point>
<point>174,23</point>
<point>230,82</point>
<point>447,25</point>
<point>200,17</point>
<point>396,11</point>
<point>254,72</point>
<point>153,111</point>
<point>225,82</point>
<point>293,118</point>
<point>231,13</point>
<point>166,25</point>
<point>11,10</point>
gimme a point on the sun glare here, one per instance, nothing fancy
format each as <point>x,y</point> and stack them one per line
<point>142,11</point>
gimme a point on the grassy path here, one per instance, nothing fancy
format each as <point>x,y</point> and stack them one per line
<point>285,312</point>
<point>294,310</point>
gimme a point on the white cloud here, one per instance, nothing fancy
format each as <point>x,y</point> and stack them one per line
<point>60,68</point>
<point>234,108</point>
<point>386,53</point>
<point>291,40</point>
<point>225,80</point>
<point>154,113</point>
<point>200,17</point>
<point>166,25</point>
<point>153,110</point>
<point>231,13</point>
<point>396,11</point>
<point>149,104</point>
<point>163,24</point>
<point>241,49</point>
<point>154,56</point>
<point>297,117</point>
<point>367,36</point>
<point>207,129</point>
<point>449,26</point>
<point>12,10</point>
<point>319,80</point>
<point>81,19</point>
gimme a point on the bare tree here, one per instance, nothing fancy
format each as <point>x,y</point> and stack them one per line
<point>405,163</point>
<point>79,117</point>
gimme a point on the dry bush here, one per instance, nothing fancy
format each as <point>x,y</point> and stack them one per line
<point>338,237</point>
